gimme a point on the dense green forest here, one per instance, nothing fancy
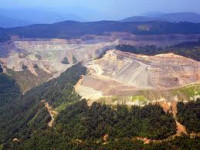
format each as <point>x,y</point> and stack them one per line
<point>187,49</point>
<point>9,90</point>
<point>1,69</point>
<point>3,35</point>
<point>95,121</point>
<point>72,29</point>
<point>189,115</point>
<point>101,127</point>
<point>80,123</point>
<point>23,115</point>
<point>50,140</point>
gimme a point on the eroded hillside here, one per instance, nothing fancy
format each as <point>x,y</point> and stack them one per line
<point>126,74</point>
<point>33,62</point>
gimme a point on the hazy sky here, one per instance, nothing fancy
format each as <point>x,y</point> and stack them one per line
<point>108,9</point>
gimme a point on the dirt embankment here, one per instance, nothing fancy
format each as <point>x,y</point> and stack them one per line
<point>172,108</point>
<point>78,84</point>
<point>51,111</point>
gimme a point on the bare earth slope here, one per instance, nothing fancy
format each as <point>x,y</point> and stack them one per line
<point>43,58</point>
<point>119,73</point>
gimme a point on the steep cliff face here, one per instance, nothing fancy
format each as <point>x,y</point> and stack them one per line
<point>122,73</point>
<point>44,58</point>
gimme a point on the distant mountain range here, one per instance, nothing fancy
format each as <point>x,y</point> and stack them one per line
<point>170,17</point>
<point>73,29</point>
<point>8,22</point>
<point>3,35</point>
<point>23,17</point>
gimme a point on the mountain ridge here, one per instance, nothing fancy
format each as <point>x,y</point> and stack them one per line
<point>21,17</point>
<point>168,17</point>
<point>73,29</point>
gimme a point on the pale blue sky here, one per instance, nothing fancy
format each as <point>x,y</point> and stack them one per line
<point>106,9</point>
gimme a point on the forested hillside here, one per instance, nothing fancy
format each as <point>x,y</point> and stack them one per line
<point>27,114</point>
<point>187,49</point>
<point>85,125</point>
<point>189,116</point>
<point>3,35</point>
<point>9,90</point>
<point>52,140</point>
<point>102,127</point>
<point>72,29</point>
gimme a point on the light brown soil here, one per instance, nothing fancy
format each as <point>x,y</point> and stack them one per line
<point>16,140</point>
<point>170,107</point>
<point>180,129</point>
<point>51,111</point>
<point>79,82</point>
<point>105,138</point>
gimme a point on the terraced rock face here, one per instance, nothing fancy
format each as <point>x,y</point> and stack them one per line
<point>122,73</point>
<point>46,56</point>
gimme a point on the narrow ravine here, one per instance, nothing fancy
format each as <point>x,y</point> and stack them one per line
<point>51,111</point>
<point>180,129</point>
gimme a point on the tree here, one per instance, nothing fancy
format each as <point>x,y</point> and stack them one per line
<point>24,67</point>
<point>74,59</point>
<point>65,61</point>
<point>35,66</point>
<point>1,69</point>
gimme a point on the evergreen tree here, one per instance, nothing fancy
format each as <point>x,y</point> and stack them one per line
<point>65,61</point>
<point>24,67</point>
<point>1,69</point>
<point>74,59</point>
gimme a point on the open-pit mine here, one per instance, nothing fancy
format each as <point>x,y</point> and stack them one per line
<point>114,77</point>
